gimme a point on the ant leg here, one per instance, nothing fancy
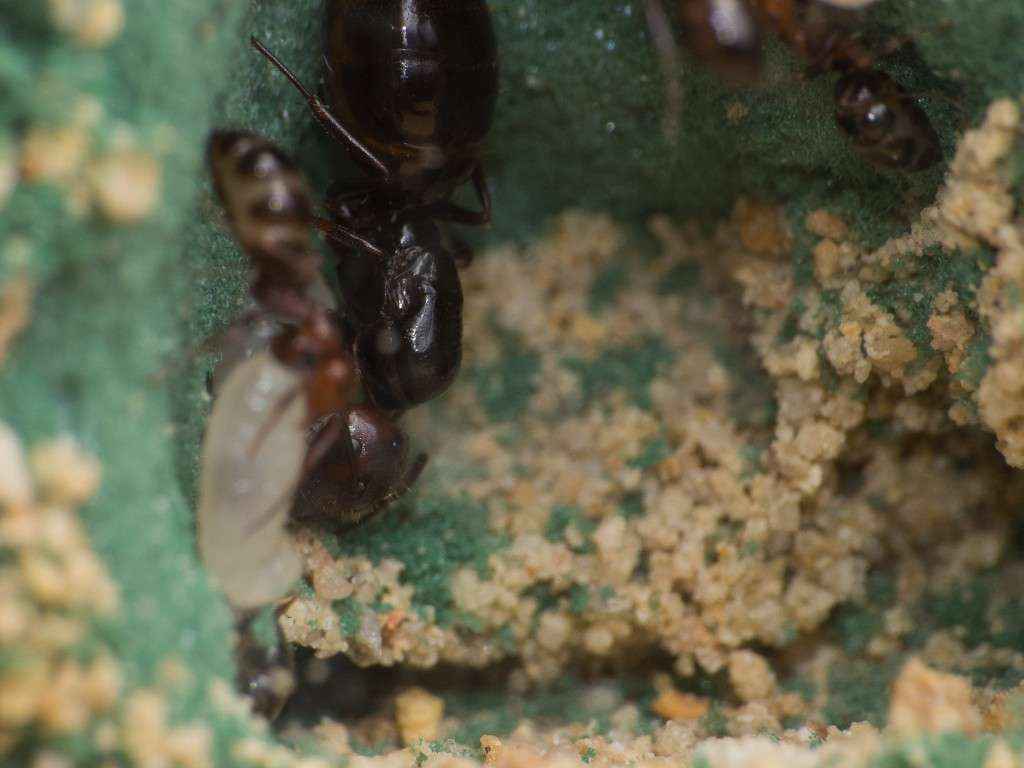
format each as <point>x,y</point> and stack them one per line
<point>483,194</point>
<point>328,121</point>
<point>339,195</point>
<point>334,231</point>
<point>456,213</point>
<point>668,57</point>
<point>325,439</point>
<point>462,252</point>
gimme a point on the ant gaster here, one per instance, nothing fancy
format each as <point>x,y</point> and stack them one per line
<point>269,210</point>
<point>411,90</point>
<point>880,118</point>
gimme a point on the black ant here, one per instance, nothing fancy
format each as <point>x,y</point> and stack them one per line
<point>881,119</point>
<point>411,91</point>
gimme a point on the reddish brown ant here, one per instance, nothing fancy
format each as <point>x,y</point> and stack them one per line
<point>882,120</point>
<point>286,415</point>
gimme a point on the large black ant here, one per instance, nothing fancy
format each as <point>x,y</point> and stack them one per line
<point>411,90</point>
<point>882,120</point>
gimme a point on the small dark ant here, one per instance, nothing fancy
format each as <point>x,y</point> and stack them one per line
<point>412,87</point>
<point>885,125</point>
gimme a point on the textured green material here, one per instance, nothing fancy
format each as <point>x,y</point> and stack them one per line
<point>108,314</point>
<point>438,535</point>
<point>979,613</point>
<point>577,125</point>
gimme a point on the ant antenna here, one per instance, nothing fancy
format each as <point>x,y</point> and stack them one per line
<point>667,50</point>
<point>306,94</point>
<point>323,115</point>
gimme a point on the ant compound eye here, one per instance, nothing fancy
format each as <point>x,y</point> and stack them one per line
<point>877,121</point>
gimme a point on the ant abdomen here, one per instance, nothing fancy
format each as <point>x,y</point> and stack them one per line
<point>264,195</point>
<point>416,81</point>
<point>352,481</point>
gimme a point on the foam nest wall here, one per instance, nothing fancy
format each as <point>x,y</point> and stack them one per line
<point>730,476</point>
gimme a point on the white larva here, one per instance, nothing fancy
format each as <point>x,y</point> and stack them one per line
<point>249,475</point>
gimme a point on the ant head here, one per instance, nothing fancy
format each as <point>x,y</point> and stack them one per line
<point>862,108</point>
<point>884,122</point>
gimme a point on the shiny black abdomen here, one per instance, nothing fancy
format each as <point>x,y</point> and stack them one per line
<point>413,351</point>
<point>416,81</point>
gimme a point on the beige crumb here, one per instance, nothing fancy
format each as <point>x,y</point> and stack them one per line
<point>333,737</point>
<point>49,759</point>
<point>144,728</point>
<point>825,224</point>
<point>173,673</point>
<point>673,704</point>
<point>101,687</point>
<point>927,701</point>
<point>62,707</point>
<point>762,227</point>
<point>16,294</point>
<point>751,676</point>
<point>1001,756</point>
<point>15,479</point>
<point>190,746</point>
<point>491,745</point>
<point>64,473</point>
<point>126,185</point>
<point>53,154</point>
<point>8,169</point>
<point>418,715</point>
<point>92,23</point>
